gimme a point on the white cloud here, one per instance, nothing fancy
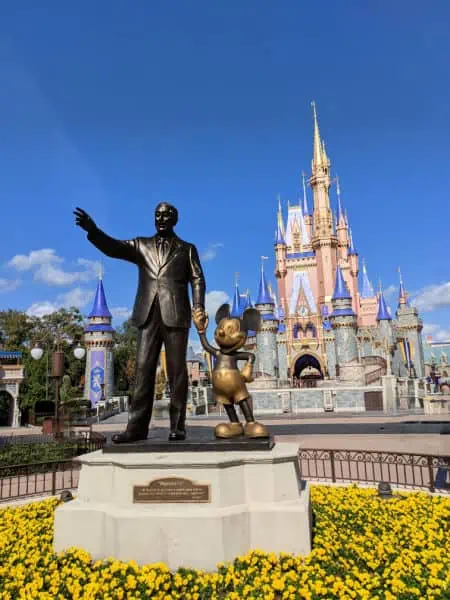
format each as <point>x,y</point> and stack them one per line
<point>437,333</point>
<point>213,300</point>
<point>389,292</point>
<point>77,297</point>
<point>8,285</point>
<point>432,297</point>
<point>121,313</point>
<point>36,258</point>
<point>46,265</point>
<point>39,309</point>
<point>211,251</point>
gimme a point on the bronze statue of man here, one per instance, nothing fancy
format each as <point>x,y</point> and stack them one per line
<point>162,313</point>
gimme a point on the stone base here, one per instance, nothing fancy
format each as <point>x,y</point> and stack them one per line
<point>256,500</point>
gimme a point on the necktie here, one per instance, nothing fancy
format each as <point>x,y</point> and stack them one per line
<point>162,248</point>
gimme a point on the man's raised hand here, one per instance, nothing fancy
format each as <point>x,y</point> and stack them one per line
<point>83,220</point>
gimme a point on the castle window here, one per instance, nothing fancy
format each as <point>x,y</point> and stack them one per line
<point>296,331</point>
<point>310,330</point>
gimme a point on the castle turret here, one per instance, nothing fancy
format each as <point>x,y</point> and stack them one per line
<point>307,214</point>
<point>343,322</point>
<point>98,339</point>
<point>236,309</point>
<point>266,337</point>
<point>402,295</point>
<point>409,326</point>
<point>280,253</point>
<point>341,226</point>
<point>330,342</point>
<point>368,303</point>
<point>353,261</point>
<point>324,242</point>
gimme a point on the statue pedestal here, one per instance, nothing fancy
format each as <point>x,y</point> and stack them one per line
<point>187,509</point>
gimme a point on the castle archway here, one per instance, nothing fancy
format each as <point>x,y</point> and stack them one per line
<point>307,364</point>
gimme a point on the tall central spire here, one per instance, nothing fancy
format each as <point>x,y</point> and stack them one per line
<point>317,144</point>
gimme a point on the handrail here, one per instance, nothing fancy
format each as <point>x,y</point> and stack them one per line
<point>410,470</point>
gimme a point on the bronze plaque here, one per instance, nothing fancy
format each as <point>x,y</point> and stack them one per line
<point>171,489</point>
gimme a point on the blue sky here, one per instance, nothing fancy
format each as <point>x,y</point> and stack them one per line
<point>115,106</point>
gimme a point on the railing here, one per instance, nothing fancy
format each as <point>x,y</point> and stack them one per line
<point>420,471</point>
<point>54,472</point>
<point>378,361</point>
<point>374,375</point>
<point>37,479</point>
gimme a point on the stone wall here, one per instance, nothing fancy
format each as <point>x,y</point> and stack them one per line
<point>278,401</point>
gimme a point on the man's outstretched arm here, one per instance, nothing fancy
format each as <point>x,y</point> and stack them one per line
<point>124,249</point>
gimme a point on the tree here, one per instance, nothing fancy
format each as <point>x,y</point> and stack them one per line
<point>15,329</point>
<point>125,356</point>
<point>34,386</point>
<point>62,329</point>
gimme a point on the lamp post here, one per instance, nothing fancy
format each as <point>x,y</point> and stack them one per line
<point>57,374</point>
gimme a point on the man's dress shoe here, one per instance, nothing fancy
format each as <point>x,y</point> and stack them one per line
<point>127,437</point>
<point>177,436</point>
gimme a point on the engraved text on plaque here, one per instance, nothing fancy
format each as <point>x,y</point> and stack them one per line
<point>171,489</point>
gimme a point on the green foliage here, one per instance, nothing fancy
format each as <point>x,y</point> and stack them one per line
<point>63,328</point>
<point>124,356</point>
<point>24,454</point>
<point>34,386</point>
<point>15,329</point>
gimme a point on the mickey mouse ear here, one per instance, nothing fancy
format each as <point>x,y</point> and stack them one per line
<point>223,312</point>
<point>251,319</point>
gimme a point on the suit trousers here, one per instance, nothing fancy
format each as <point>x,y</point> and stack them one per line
<point>150,338</point>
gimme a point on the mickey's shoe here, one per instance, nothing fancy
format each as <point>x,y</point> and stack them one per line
<point>228,430</point>
<point>256,430</point>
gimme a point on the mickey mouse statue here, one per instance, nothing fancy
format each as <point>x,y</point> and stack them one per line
<point>228,381</point>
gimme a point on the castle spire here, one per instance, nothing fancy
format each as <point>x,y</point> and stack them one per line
<point>402,294</point>
<point>341,290</point>
<point>305,199</point>
<point>100,306</point>
<point>317,144</point>
<point>367,288</point>
<point>264,296</point>
<point>340,212</point>
<point>352,250</point>
<point>280,232</point>
<point>236,306</point>
<point>383,311</point>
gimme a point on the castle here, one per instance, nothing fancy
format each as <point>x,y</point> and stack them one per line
<point>325,321</point>
<point>99,342</point>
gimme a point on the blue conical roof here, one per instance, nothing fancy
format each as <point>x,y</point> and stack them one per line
<point>236,306</point>
<point>383,311</point>
<point>367,288</point>
<point>340,289</point>
<point>264,295</point>
<point>279,237</point>
<point>100,307</point>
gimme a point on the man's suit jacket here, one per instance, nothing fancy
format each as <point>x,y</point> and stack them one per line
<point>166,279</point>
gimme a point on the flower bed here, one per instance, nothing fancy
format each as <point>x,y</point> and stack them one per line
<point>364,547</point>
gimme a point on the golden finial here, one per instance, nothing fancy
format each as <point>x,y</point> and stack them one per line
<point>101,270</point>
<point>400,275</point>
<point>279,202</point>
